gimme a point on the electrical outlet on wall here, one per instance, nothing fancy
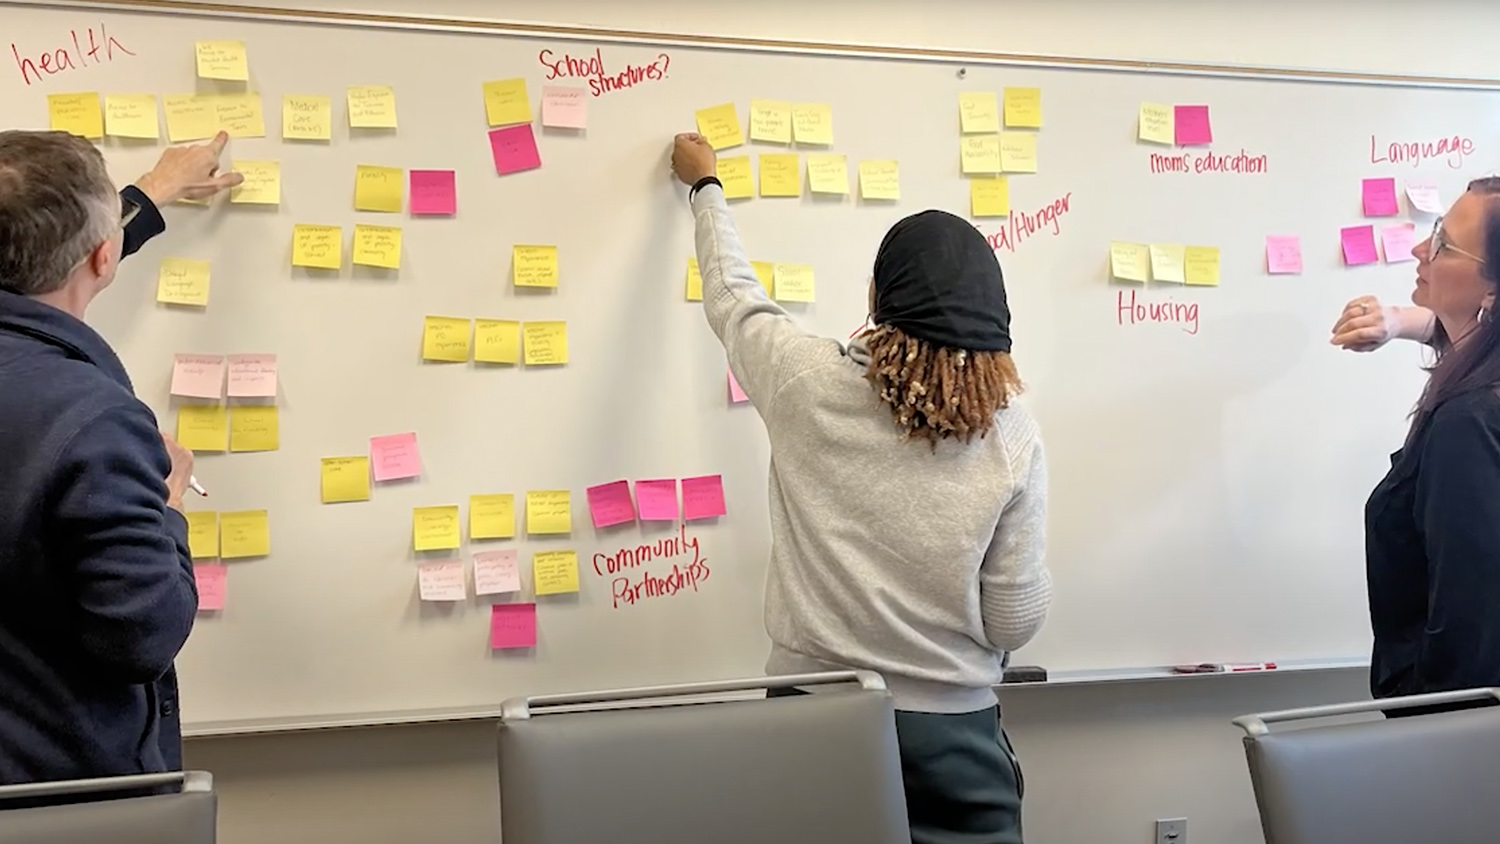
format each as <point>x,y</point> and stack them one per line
<point>1172,831</point>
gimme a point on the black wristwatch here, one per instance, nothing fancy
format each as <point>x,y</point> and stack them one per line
<point>703,183</point>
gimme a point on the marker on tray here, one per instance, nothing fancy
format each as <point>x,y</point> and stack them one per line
<point>1223,667</point>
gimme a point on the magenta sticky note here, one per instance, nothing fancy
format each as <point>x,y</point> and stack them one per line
<point>514,148</point>
<point>1283,254</point>
<point>213,585</point>
<point>198,376</point>
<point>657,500</point>
<point>1399,241</point>
<point>1359,245</point>
<point>496,572</point>
<point>1193,127</point>
<point>565,107</point>
<point>252,376</point>
<point>703,497</point>
<point>736,395</point>
<point>1380,198</point>
<point>512,626</point>
<point>433,193</point>
<point>610,504</point>
<point>395,457</point>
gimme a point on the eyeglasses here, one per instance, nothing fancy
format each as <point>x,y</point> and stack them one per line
<point>1439,241</point>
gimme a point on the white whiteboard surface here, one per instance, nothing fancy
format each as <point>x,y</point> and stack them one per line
<point>1207,488</point>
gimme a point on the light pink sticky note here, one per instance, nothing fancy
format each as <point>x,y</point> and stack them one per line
<point>512,626</point>
<point>703,497</point>
<point>565,107</point>
<point>213,585</point>
<point>736,395</point>
<point>1193,127</point>
<point>1283,254</point>
<point>442,580</point>
<point>496,572</point>
<point>198,376</point>
<point>395,457</point>
<point>610,504</point>
<point>657,500</point>
<point>1380,198</point>
<point>252,376</point>
<point>1424,196</point>
<point>1398,241</point>
<point>1359,245</point>
<point>514,148</point>
<point>433,193</point>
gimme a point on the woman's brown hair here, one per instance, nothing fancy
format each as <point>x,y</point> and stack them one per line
<point>935,392</point>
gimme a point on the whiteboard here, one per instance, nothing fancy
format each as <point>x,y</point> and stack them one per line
<point>1207,480</point>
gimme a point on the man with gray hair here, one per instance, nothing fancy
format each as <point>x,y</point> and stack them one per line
<point>96,582</point>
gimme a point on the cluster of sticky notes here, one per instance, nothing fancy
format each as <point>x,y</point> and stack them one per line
<point>322,247</point>
<point>1179,125</point>
<point>229,536</point>
<point>215,427</point>
<point>1164,262</point>
<point>827,174</point>
<point>534,266</point>
<point>457,340</point>
<point>987,147</point>
<point>183,281</point>
<point>656,500</point>
<point>783,282</point>
<point>192,118</point>
<point>1357,244</point>
<point>771,121</point>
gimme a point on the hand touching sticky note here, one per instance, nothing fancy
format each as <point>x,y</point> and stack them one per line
<point>497,341</point>
<point>377,246</point>
<point>446,339</point>
<point>720,126</point>
<point>534,266</point>
<point>506,102</point>
<point>555,572</point>
<point>378,188</point>
<point>435,528</point>
<point>549,512</point>
<point>345,479</point>
<point>244,534</point>
<point>545,343</point>
<point>223,60</point>
<point>492,516</point>
<point>317,247</point>
<point>78,114</point>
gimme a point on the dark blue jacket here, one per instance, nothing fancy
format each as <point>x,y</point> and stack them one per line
<point>96,583</point>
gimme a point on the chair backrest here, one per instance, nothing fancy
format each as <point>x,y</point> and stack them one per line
<point>1429,777</point>
<point>94,812</point>
<point>637,767</point>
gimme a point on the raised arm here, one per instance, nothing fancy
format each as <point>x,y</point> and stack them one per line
<point>185,172</point>
<point>1365,325</point>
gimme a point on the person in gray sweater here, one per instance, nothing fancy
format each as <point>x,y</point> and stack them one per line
<point>908,495</point>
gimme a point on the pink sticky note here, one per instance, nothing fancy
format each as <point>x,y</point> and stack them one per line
<point>496,572</point>
<point>703,497</point>
<point>433,192</point>
<point>514,148</point>
<point>1359,245</point>
<point>1424,196</point>
<point>610,504</point>
<point>565,107</point>
<point>657,500</point>
<point>1193,127</point>
<point>1399,240</point>
<point>252,376</point>
<point>395,457</point>
<point>1380,198</point>
<point>1283,254</point>
<point>512,626</point>
<point>213,585</point>
<point>442,580</point>
<point>198,376</point>
<point>736,395</point>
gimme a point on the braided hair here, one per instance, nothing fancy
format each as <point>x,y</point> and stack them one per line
<point>935,392</point>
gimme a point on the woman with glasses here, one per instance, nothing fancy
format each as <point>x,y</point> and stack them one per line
<point>1432,526</point>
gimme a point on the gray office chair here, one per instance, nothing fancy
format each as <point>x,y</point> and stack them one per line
<point>1433,777</point>
<point>86,814</point>
<point>655,766</point>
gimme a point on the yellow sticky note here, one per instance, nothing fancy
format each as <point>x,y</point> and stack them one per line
<point>1018,152</point>
<point>79,114</point>
<point>546,343</point>
<point>446,339</point>
<point>372,107</point>
<point>1158,123</point>
<point>812,123</point>
<point>534,266</point>
<point>306,117</point>
<point>377,246</point>
<point>780,174</point>
<point>828,174</point>
<point>183,281</point>
<point>735,173</point>
<point>244,534</point>
<point>1168,262</point>
<point>189,117</point>
<point>771,121</point>
<point>254,427</point>
<point>766,272</point>
<point>203,427</point>
<point>720,125</point>
<point>1201,264</point>
<point>980,154</point>
<point>880,180</point>
<point>240,115</point>
<point>379,188</point>
<point>506,102</point>
<point>1023,108</point>
<point>435,528</point>
<point>978,112</point>
<point>223,60</point>
<point>318,247</point>
<point>989,197</point>
<point>262,185</point>
<point>203,534</point>
<point>555,572</point>
<point>345,479</point>
<point>694,281</point>
<point>549,512</point>
<point>492,516</point>
<point>794,282</point>
<point>1130,261</point>
<point>131,116</point>
<point>497,341</point>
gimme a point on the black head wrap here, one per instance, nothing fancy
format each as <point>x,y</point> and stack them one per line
<point>937,279</point>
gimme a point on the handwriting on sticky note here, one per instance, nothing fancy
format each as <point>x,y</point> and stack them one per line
<point>433,193</point>
<point>246,533</point>
<point>780,174</point>
<point>496,572</point>
<point>378,188</point>
<point>534,266</point>
<point>545,343</point>
<point>1424,196</point>
<point>497,341</point>
<point>376,246</point>
<point>703,498</point>
<point>492,516</point>
<point>203,534</point>
<point>565,107</point>
<point>254,428</point>
<point>306,117</point>
<point>1169,262</point>
<point>189,117</point>
<point>657,500</point>
<point>203,427</point>
<point>1130,261</point>
<point>1191,126</point>
<point>812,123</point>
<point>240,115</point>
<point>442,581</point>
<point>1359,245</point>
<point>828,174</point>
<point>771,121</point>
<point>737,176</point>
<point>345,479</point>
<point>793,283</point>
<point>720,126</point>
<point>506,102</point>
<point>1379,197</point>
<point>610,504</point>
<point>1201,265</point>
<point>223,60</point>
<point>980,154</point>
<point>183,281</point>
<point>1018,152</point>
<point>395,457</point>
<point>446,339</point>
<point>514,149</point>
<point>512,626</point>
<point>317,247</point>
<point>78,114</point>
<point>198,376</point>
<point>1283,254</point>
<point>555,572</point>
<point>131,116</point>
<point>879,180</point>
<point>1398,241</point>
<point>989,196</point>
<point>1023,108</point>
<point>978,112</point>
<point>1158,123</point>
<point>765,271</point>
<point>549,512</point>
<point>262,185</point>
<point>736,393</point>
<point>252,376</point>
<point>212,580</point>
<point>435,528</point>
<point>372,107</point>
<point>694,281</point>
